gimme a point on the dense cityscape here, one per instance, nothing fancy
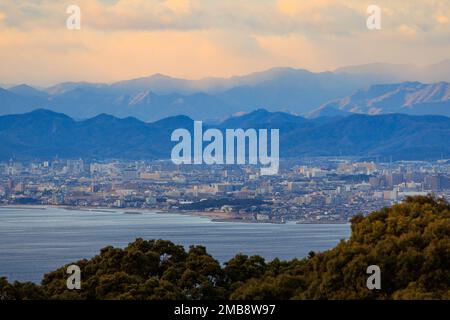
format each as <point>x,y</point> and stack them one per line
<point>315,190</point>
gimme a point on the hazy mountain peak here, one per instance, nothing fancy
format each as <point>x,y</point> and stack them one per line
<point>214,99</point>
<point>373,68</point>
<point>403,72</point>
<point>64,87</point>
<point>22,86</point>
<point>406,97</point>
<point>26,90</point>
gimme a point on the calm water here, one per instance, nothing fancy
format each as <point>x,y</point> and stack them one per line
<point>36,241</point>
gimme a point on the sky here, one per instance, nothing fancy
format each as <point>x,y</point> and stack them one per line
<point>125,39</point>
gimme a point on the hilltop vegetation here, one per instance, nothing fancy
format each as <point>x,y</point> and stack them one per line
<point>410,242</point>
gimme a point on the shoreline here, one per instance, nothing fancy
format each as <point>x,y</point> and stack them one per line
<point>212,216</point>
<point>74,208</point>
<point>322,222</point>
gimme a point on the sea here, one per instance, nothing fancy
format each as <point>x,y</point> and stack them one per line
<point>35,241</point>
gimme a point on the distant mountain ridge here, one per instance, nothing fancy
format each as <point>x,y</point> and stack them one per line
<point>43,134</point>
<point>160,96</point>
<point>413,98</point>
<point>436,72</point>
<point>292,90</point>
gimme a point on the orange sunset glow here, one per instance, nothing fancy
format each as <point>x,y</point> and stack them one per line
<point>126,39</point>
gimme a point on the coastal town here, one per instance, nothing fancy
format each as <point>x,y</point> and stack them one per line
<point>309,190</point>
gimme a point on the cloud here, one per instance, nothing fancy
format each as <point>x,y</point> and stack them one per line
<point>407,30</point>
<point>196,38</point>
<point>443,19</point>
<point>271,17</point>
<point>179,6</point>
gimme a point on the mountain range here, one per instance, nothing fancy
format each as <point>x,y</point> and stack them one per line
<point>159,96</point>
<point>367,89</point>
<point>44,134</point>
<point>435,72</point>
<point>407,98</point>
